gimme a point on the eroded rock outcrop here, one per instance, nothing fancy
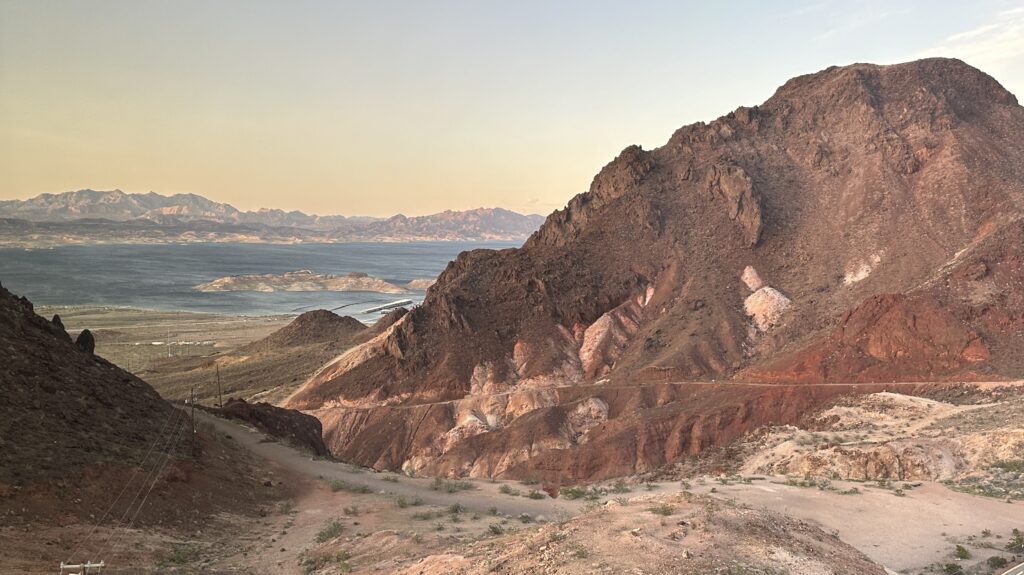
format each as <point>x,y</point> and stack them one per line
<point>298,429</point>
<point>86,342</point>
<point>734,186</point>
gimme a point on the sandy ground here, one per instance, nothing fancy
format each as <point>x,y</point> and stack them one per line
<point>904,533</point>
<point>484,495</point>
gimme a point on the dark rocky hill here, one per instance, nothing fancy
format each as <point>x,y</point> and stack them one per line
<point>63,408</point>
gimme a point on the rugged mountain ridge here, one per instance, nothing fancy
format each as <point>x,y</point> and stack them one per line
<point>862,199</point>
<point>85,216</point>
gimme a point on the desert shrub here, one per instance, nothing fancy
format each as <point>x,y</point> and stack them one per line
<point>451,486</point>
<point>330,531</point>
<point>342,485</point>
<point>390,479</point>
<point>181,554</point>
<point>456,508</point>
<point>662,509</point>
<point>495,529</point>
<point>573,492</point>
<point>534,494</point>
<point>997,562</point>
<point>556,536</point>
<point>621,487</point>
<point>961,552</point>
<point>507,490</point>
<point>1016,542</point>
<point>312,563</point>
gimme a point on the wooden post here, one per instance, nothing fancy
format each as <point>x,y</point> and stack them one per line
<point>220,393</point>
<point>194,419</point>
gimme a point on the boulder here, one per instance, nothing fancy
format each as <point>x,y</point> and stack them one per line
<point>86,342</point>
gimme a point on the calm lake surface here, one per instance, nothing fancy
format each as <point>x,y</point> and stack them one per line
<point>162,276</point>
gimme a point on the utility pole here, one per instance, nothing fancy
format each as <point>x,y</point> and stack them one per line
<point>193,395</point>
<point>220,392</point>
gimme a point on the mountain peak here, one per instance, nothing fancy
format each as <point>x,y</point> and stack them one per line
<point>834,233</point>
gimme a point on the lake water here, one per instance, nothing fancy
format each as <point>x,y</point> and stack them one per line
<point>162,276</point>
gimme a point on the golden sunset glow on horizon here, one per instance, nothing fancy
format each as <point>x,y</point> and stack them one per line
<point>403,107</point>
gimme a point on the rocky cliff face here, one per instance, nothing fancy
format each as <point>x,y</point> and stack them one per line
<point>876,208</point>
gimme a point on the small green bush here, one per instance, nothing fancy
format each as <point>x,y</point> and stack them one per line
<point>1016,542</point>
<point>505,489</point>
<point>449,486</point>
<point>342,485</point>
<point>997,562</point>
<point>621,487</point>
<point>572,493</point>
<point>330,531</point>
<point>663,509</point>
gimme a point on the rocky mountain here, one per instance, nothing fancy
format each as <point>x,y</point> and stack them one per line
<point>119,206</point>
<point>267,369</point>
<point>55,392</point>
<point>89,216</point>
<point>81,439</point>
<point>862,225</point>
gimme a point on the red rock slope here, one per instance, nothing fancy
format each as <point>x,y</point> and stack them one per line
<point>860,225</point>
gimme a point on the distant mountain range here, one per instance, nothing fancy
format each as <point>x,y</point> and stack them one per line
<point>91,216</point>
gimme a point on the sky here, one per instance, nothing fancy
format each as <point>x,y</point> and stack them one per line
<point>384,107</point>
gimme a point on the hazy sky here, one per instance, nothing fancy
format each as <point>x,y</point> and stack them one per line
<point>414,107</point>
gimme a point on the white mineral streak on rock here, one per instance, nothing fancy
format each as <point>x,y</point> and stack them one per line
<point>752,279</point>
<point>765,307</point>
<point>859,270</point>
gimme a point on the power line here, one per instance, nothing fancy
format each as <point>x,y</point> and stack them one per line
<point>142,465</point>
<point>124,532</point>
<point>152,476</point>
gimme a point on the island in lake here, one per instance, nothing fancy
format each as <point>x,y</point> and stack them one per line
<point>307,280</point>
